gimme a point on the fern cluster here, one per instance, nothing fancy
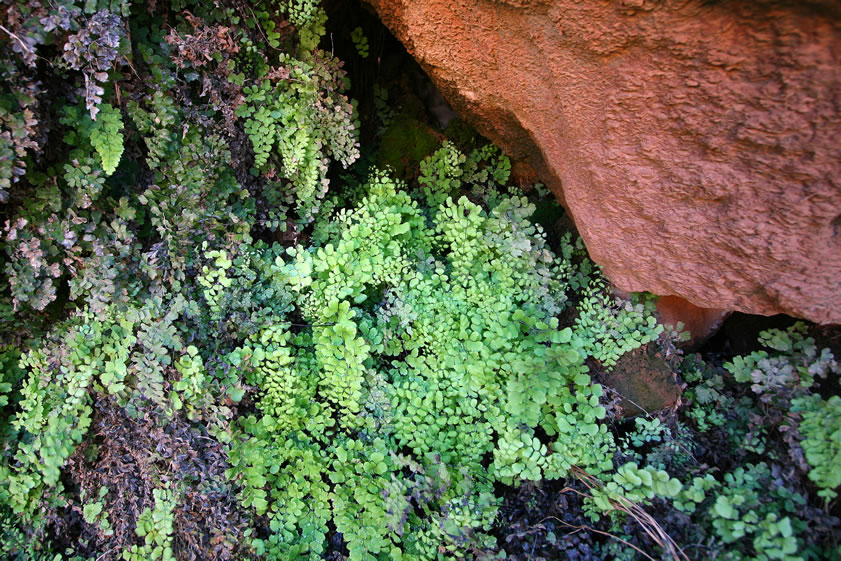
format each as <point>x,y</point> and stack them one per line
<point>154,525</point>
<point>106,137</point>
<point>434,333</point>
<point>297,122</point>
<point>821,430</point>
<point>610,327</point>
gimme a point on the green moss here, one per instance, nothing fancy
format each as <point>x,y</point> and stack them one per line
<point>406,142</point>
<point>461,134</point>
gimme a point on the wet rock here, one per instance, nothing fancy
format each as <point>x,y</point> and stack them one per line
<point>644,380</point>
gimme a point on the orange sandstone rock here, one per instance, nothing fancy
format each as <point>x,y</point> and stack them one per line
<point>701,323</point>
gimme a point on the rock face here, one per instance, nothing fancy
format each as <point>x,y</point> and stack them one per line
<point>696,144</point>
<point>701,323</point>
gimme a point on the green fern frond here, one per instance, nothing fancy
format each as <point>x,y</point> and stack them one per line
<point>107,137</point>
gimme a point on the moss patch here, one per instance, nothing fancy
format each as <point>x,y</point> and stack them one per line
<point>405,144</point>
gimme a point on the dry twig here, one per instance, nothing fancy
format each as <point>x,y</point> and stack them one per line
<point>649,525</point>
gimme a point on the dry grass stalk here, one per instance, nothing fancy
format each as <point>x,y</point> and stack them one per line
<point>635,511</point>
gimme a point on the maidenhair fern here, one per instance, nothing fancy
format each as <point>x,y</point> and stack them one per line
<point>438,338</point>
<point>610,326</point>
<point>154,525</point>
<point>821,431</point>
<point>107,138</point>
<point>297,118</point>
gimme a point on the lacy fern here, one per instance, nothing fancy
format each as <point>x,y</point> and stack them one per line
<point>107,138</point>
<point>297,118</point>
<point>821,430</point>
<point>439,338</point>
<point>610,327</point>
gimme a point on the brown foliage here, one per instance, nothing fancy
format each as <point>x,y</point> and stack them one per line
<point>132,457</point>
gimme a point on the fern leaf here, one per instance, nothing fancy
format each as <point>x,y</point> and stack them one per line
<point>107,137</point>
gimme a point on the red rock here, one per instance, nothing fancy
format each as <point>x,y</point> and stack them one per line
<point>644,380</point>
<point>701,323</point>
<point>695,144</point>
<point>522,174</point>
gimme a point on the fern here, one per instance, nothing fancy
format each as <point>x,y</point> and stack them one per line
<point>107,138</point>
<point>821,430</point>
